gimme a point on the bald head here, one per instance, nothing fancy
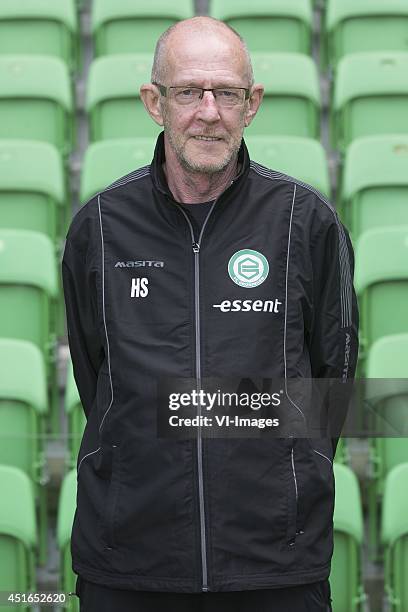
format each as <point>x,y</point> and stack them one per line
<point>212,34</point>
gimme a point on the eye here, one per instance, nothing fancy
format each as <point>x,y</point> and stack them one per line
<point>228,94</point>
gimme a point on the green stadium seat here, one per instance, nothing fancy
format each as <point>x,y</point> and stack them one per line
<point>370,97</point>
<point>133,26</point>
<point>346,577</point>
<point>32,187</point>
<point>23,408</point>
<point>269,25</point>
<point>42,27</point>
<point>28,283</point>
<point>18,533</point>
<point>394,534</point>
<point>374,190</point>
<point>23,404</point>
<point>75,415</point>
<point>106,161</point>
<point>381,282</point>
<point>65,518</point>
<point>291,103</point>
<point>387,396</point>
<point>36,100</point>
<point>303,158</point>
<point>351,27</point>
<point>113,100</point>
<point>28,292</point>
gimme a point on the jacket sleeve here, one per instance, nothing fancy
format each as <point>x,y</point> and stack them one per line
<point>84,341</point>
<point>333,341</point>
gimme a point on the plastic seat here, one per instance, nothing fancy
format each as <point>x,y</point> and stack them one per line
<point>65,518</point>
<point>394,535</point>
<point>76,417</point>
<point>351,27</point>
<point>269,25</point>
<point>291,103</point>
<point>107,160</point>
<point>387,395</point>
<point>32,189</point>
<point>133,26</point>
<point>370,97</point>
<point>346,577</point>
<point>374,190</point>
<point>18,533</point>
<point>303,158</point>
<point>36,100</point>
<point>113,101</point>
<point>28,292</point>
<point>42,27</point>
<point>23,408</point>
<point>381,282</point>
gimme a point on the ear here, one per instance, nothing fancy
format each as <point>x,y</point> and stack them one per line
<point>152,100</point>
<point>254,102</point>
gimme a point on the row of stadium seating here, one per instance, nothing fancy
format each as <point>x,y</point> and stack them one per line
<point>370,97</point>
<point>129,26</point>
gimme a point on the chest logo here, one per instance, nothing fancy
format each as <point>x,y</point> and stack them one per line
<point>139,287</point>
<point>248,268</point>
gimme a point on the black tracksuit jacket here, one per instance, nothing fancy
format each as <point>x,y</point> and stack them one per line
<point>146,301</point>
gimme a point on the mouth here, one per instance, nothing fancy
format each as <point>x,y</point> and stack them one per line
<point>207,138</point>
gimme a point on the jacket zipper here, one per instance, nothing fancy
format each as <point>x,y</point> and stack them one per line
<point>196,251</point>
<point>292,542</point>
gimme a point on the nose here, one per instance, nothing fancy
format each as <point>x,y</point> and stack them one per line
<point>207,110</point>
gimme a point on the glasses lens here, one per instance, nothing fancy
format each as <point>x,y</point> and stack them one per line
<point>186,95</point>
<point>229,97</point>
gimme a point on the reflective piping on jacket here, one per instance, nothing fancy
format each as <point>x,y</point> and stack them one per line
<point>329,460</point>
<point>345,273</point>
<point>286,305</point>
<point>87,455</point>
<point>103,309</point>
<point>133,176</point>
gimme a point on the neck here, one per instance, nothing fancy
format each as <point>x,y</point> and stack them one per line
<point>191,187</point>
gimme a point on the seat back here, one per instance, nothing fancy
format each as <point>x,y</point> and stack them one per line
<point>291,103</point>
<point>345,576</point>
<point>352,27</point>
<point>32,187</point>
<point>370,96</point>
<point>381,281</point>
<point>394,535</point>
<point>132,26</point>
<point>374,191</point>
<point>18,531</point>
<point>303,158</point>
<point>28,288</point>
<point>113,102</point>
<point>108,160</point>
<point>43,27</point>
<point>268,25</point>
<point>36,100</point>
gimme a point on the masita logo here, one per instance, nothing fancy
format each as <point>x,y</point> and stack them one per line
<point>144,263</point>
<point>248,268</point>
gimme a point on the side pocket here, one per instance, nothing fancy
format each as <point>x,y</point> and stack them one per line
<point>111,500</point>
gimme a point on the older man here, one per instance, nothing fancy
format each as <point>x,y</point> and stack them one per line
<point>204,266</point>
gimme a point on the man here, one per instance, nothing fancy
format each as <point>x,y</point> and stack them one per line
<point>203,265</point>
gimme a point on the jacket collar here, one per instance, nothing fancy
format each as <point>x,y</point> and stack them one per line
<point>159,178</point>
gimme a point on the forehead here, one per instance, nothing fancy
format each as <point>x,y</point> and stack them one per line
<point>205,59</point>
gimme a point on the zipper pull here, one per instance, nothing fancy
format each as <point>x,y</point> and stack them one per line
<point>196,247</point>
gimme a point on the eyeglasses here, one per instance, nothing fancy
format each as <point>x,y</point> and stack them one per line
<point>225,97</point>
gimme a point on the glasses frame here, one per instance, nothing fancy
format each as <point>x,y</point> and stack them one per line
<point>163,89</point>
